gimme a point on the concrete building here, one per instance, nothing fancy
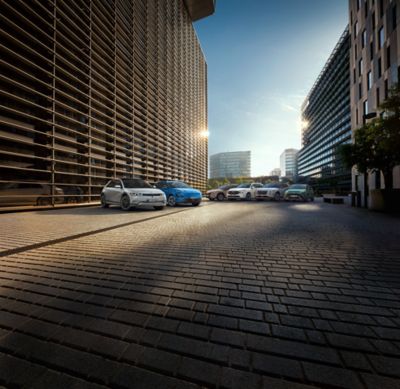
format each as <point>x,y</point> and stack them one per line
<point>288,161</point>
<point>375,67</point>
<point>93,90</point>
<point>327,124</point>
<point>230,164</point>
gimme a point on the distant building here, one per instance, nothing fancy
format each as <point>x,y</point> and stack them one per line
<point>288,163</point>
<point>275,172</point>
<point>230,164</point>
<point>375,68</point>
<point>327,124</point>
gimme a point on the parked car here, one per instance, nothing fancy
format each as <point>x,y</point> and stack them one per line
<point>132,192</point>
<point>178,192</point>
<point>29,193</point>
<point>272,191</point>
<point>220,193</point>
<point>244,191</point>
<point>299,192</point>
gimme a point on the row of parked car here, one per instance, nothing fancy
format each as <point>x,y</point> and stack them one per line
<point>135,192</point>
<point>272,191</point>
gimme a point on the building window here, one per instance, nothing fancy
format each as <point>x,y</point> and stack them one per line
<point>369,80</point>
<point>358,4</point>
<point>359,90</point>
<point>360,67</point>
<point>394,16</point>
<point>371,51</point>
<point>378,100</point>
<point>355,29</point>
<point>388,57</point>
<point>373,21</point>
<point>357,116</point>
<point>379,67</point>
<point>381,8</point>
<point>364,38</point>
<point>366,9</point>
<point>381,37</point>
<point>354,75</point>
<point>365,109</point>
<point>386,89</point>
<point>355,52</point>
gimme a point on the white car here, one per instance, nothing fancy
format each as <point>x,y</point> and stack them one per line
<point>132,192</point>
<point>244,191</point>
<point>272,191</point>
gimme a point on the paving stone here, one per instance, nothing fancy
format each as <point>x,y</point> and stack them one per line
<point>216,306</point>
<point>329,375</point>
<point>376,381</point>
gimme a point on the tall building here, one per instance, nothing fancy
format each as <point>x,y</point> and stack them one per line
<point>288,161</point>
<point>375,67</point>
<point>231,164</point>
<point>93,90</point>
<point>327,123</point>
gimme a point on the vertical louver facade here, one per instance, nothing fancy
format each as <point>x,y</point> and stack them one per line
<point>93,90</point>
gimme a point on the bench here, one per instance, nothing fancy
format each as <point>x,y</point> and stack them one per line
<point>331,198</point>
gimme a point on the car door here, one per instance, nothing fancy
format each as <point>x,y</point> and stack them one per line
<point>253,189</point>
<point>113,191</point>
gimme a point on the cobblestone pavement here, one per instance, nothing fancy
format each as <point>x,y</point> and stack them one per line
<point>229,295</point>
<point>31,228</point>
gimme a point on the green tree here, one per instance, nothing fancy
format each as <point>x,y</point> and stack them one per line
<point>376,144</point>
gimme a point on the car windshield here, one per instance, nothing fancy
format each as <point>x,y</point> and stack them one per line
<point>244,186</point>
<point>299,186</point>
<point>135,183</point>
<point>178,184</point>
<point>224,187</point>
<point>271,185</point>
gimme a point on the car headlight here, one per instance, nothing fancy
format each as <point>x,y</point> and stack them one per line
<point>134,194</point>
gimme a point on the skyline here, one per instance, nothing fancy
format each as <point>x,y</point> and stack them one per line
<point>255,90</point>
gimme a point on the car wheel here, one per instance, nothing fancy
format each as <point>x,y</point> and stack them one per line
<point>248,196</point>
<point>171,201</point>
<point>158,207</point>
<point>43,201</point>
<point>103,201</point>
<point>196,204</point>
<point>220,197</point>
<point>125,202</point>
<point>277,196</point>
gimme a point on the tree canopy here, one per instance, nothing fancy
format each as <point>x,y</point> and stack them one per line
<point>376,144</point>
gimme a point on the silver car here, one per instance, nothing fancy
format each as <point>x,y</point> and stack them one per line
<point>130,193</point>
<point>220,193</point>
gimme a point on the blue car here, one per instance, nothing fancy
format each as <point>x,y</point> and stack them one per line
<point>177,192</point>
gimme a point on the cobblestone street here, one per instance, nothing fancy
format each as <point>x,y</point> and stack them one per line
<point>225,295</point>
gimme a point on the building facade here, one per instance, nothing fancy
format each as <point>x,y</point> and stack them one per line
<point>374,66</point>
<point>93,90</point>
<point>326,122</point>
<point>231,164</point>
<point>288,163</point>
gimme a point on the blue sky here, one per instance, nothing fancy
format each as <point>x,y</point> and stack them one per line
<point>263,57</point>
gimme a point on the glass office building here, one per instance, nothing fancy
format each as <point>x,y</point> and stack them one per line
<point>93,90</point>
<point>230,164</point>
<point>326,123</point>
